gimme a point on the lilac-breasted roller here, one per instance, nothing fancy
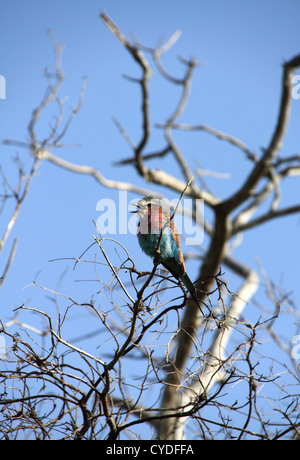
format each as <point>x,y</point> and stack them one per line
<point>158,237</point>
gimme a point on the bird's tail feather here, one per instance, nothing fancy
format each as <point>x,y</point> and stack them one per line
<point>184,278</point>
<point>191,288</point>
<point>188,284</point>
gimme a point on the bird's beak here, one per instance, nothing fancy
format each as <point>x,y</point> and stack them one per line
<point>136,210</point>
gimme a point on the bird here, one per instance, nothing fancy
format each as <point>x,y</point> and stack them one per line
<point>159,238</point>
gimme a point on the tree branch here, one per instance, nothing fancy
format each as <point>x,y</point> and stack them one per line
<point>260,168</point>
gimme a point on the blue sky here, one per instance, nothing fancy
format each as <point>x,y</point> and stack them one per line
<point>237,91</point>
<point>242,46</point>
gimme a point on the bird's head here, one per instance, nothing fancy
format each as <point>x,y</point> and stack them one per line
<point>144,205</point>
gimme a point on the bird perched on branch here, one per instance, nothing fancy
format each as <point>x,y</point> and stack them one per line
<point>159,239</point>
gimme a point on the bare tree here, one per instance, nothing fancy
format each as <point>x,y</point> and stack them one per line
<point>190,363</point>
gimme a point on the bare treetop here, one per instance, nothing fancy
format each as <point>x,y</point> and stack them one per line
<point>188,353</point>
